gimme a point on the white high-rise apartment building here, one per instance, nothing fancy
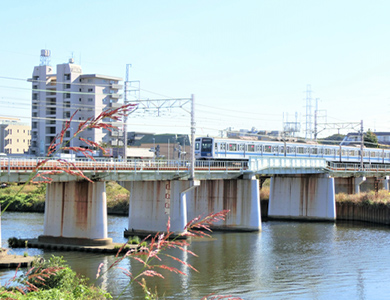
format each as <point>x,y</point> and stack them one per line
<point>56,96</point>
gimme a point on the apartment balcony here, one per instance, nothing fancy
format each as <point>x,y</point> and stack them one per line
<point>116,86</point>
<point>116,96</point>
<point>116,105</point>
<point>50,114</point>
<point>116,133</point>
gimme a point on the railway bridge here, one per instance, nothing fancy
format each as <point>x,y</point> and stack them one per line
<point>301,188</point>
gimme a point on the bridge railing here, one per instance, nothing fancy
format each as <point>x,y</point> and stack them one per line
<point>286,164</point>
<point>353,167</point>
<point>110,164</point>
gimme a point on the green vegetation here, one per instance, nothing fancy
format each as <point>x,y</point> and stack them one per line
<point>370,139</point>
<point>51,279</point>
<point>31,199</point>
<point>117,198</point>
<point>382,198</point>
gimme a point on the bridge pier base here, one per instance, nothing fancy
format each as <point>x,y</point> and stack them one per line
<point>152,202</point>
<point>304,197</point>
<point>76,213</point>
<point>385,183</point>
<point>358,182</point>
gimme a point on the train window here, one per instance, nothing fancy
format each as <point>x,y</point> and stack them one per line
<point>223,146</point>
<point>314,151</point>
<point>320,151</point>
<point>267,148</point>
<point>300,150</point>
<point>258,148</point>
<point>241,147</point>
<point>275,149</point>
<point>351,153</point>
<point>251,148</point>
<point>232,147</point>
<point>281,149</point>
<point>292,149</point>
<point>343,152</point>
<point>197,146</point>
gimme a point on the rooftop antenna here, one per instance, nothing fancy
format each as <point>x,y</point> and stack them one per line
<point>45,57</point>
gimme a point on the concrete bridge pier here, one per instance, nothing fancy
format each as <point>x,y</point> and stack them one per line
<point>385,183</point>
<point>358,182</point>
<point>76,213</point>
<point>152,202</point>
<point>304,197</point>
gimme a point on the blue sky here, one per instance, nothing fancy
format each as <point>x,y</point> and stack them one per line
<point>252,59</point>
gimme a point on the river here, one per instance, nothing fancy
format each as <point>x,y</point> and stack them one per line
<point>287,260</point>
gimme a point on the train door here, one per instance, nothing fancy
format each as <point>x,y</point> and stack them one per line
<point>222,148</point>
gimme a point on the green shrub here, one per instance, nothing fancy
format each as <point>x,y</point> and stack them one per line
<point>134,240</point>
<point>59,282</point>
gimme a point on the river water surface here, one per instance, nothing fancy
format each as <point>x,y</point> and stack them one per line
<point>287,260</point>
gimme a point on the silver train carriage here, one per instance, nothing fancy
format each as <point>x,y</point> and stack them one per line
<point>229,149</point>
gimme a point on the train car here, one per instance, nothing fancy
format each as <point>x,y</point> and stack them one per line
<point>238,150</point>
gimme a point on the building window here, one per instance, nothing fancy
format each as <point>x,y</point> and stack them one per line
<point>90,99</point>
<point>67,95</point>
<point>17,130</point>
<point>67,76</point>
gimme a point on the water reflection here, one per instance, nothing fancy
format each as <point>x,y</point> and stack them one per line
<point>287,260</point>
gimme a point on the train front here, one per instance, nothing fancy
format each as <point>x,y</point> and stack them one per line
<point>203,148</point>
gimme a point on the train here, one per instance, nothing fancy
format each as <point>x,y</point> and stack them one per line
<point>209,148</point>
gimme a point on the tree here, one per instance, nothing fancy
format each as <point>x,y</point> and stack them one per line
<point>370,139</point>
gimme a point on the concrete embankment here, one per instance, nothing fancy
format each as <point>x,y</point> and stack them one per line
<point>368,213</point>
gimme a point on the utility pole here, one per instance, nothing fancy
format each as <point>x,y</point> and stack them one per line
<point>193,127</point>
<point>361,144</point>
<point>309,123</point>
<point>126,114</point>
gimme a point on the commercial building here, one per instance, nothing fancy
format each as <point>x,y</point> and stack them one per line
<point>58,93</point>
<point>14,136</point>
